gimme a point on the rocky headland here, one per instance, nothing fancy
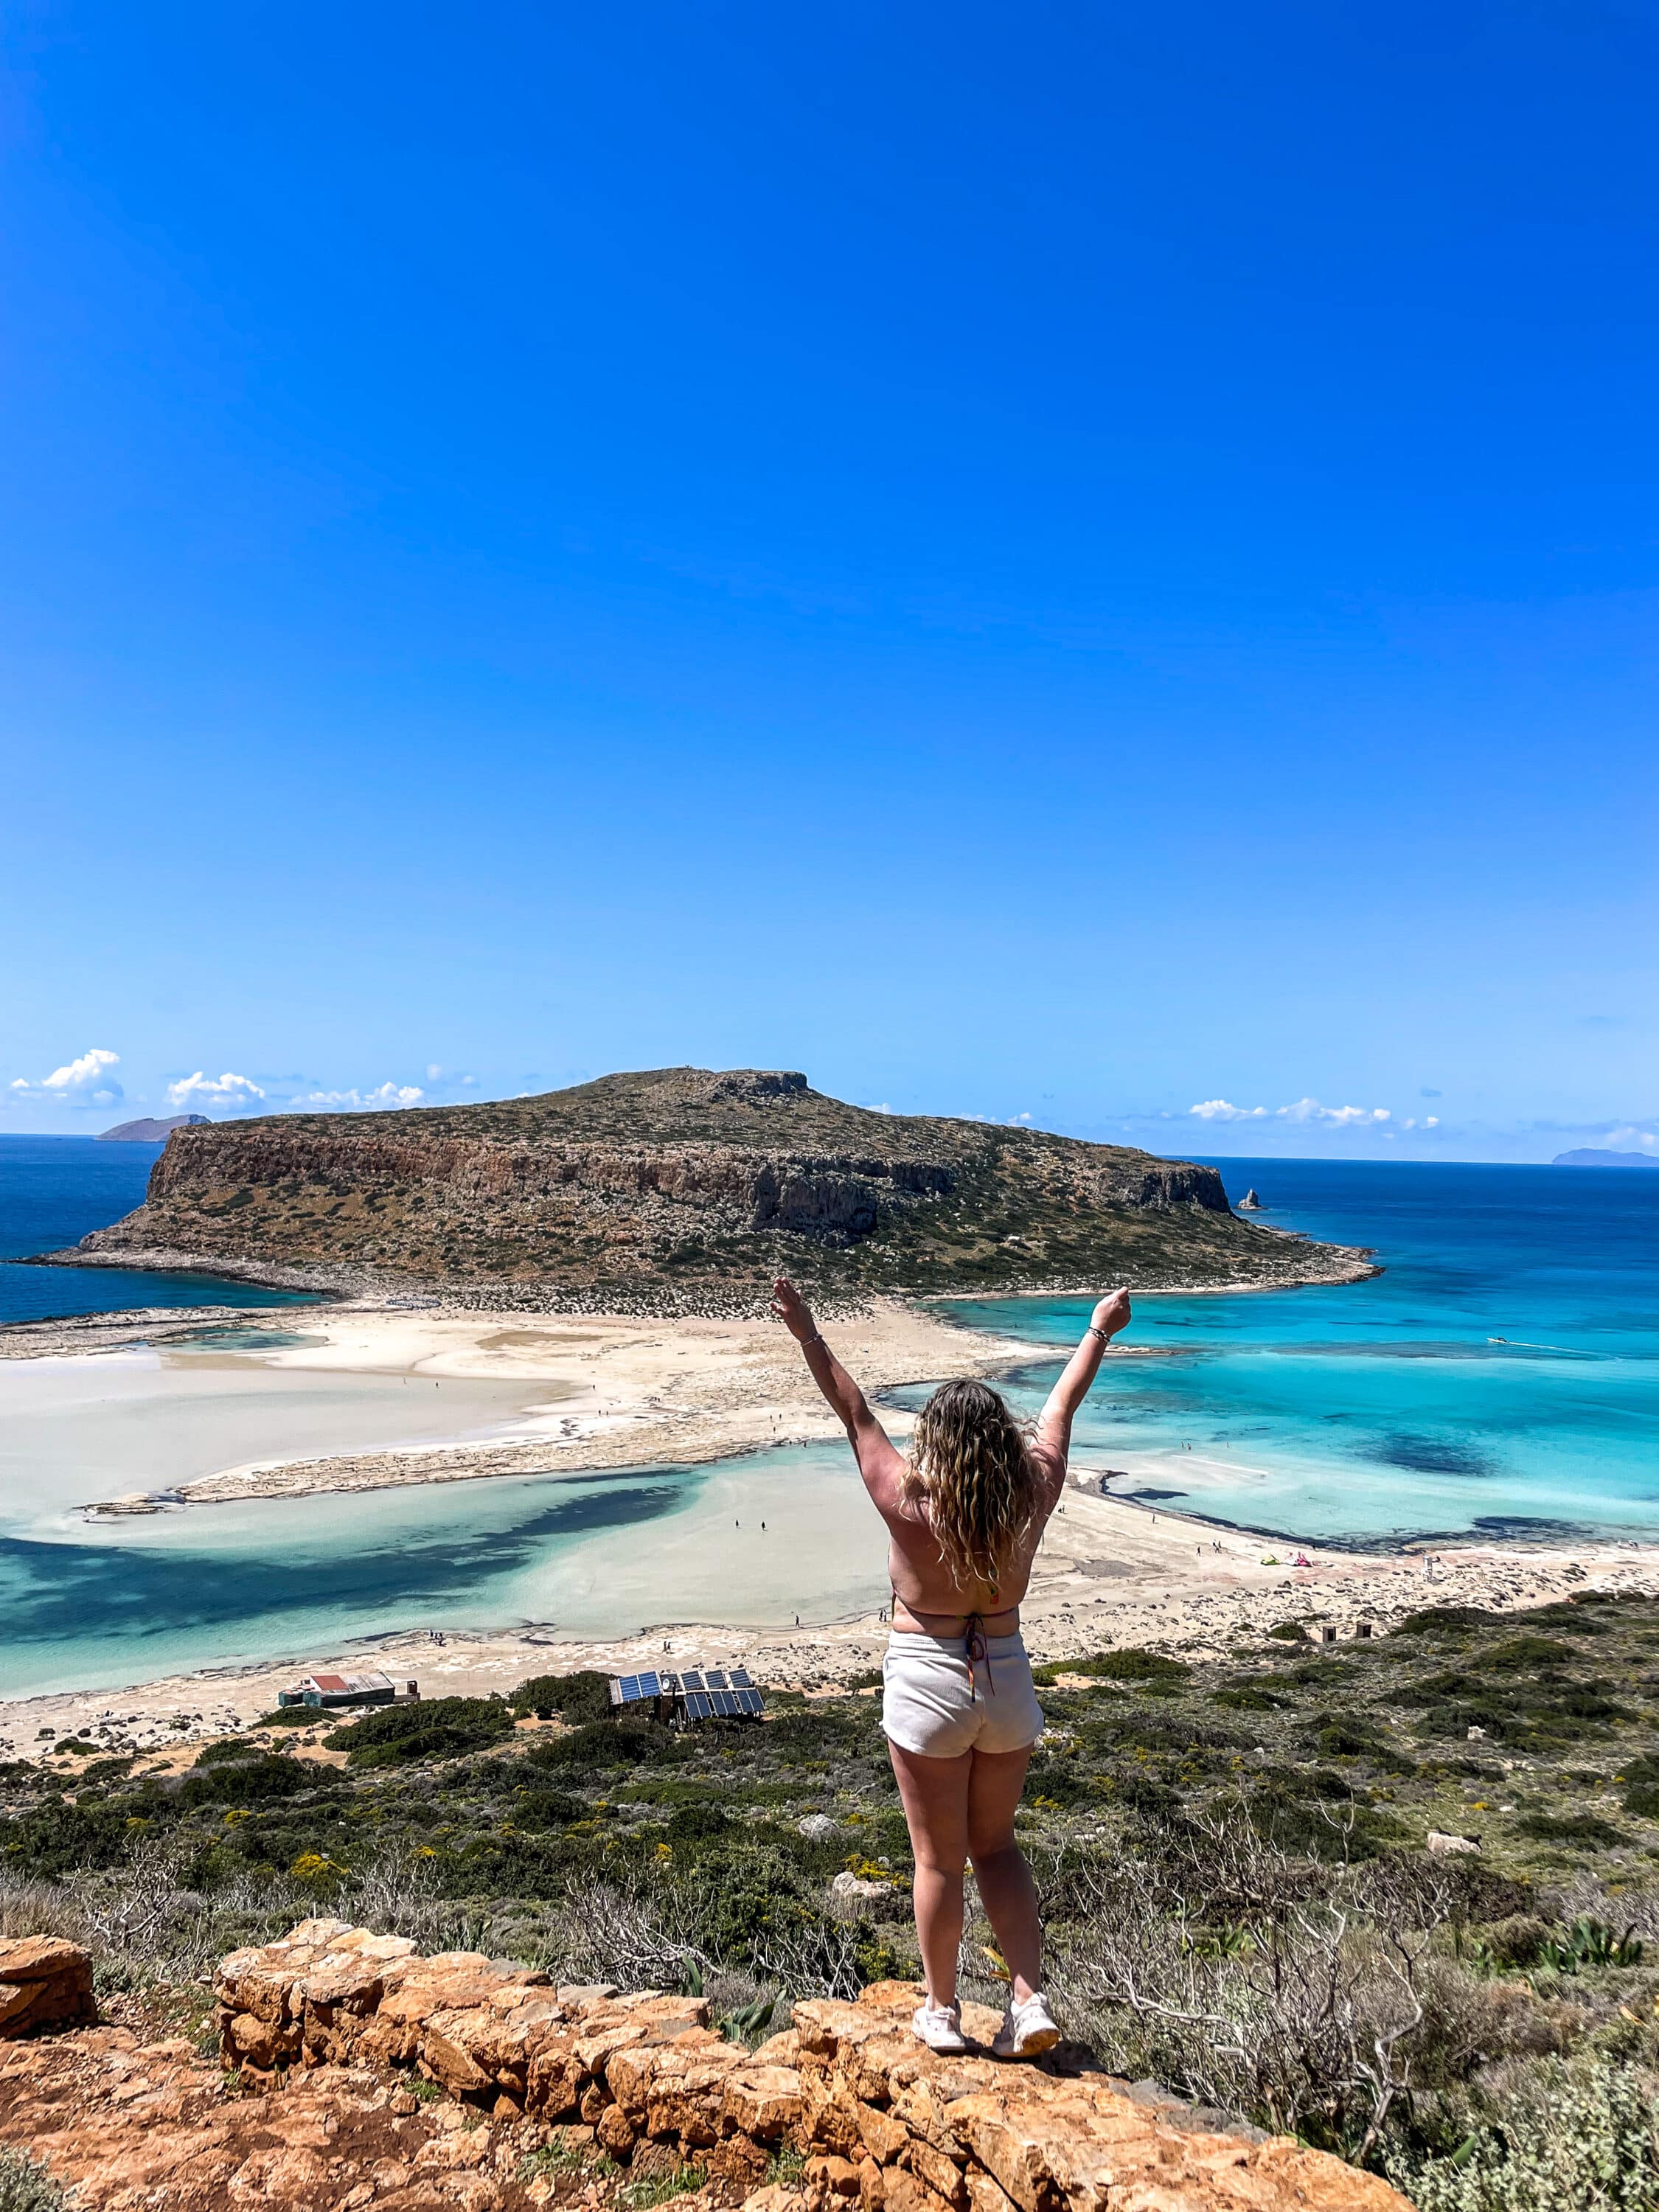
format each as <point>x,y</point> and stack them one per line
<point>148,1130</point>
<point>686,1190</point>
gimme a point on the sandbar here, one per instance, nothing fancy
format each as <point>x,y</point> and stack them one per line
<point>583,1392</point>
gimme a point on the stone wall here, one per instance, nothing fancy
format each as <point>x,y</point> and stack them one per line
<point>43,1983</point>
<point>882,2123</point>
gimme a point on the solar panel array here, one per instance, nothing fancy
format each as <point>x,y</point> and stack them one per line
<point>634,1689</point>
<point>723,1704</point>
<point>713,1694</point>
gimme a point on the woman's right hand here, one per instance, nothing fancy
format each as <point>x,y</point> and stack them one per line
<point>1112,1312</point>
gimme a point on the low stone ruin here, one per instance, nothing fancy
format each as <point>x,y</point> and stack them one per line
<point>43,1983</point>
<point>882,2122</point>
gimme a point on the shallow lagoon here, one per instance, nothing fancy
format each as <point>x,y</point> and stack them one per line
<point>85,1604</point>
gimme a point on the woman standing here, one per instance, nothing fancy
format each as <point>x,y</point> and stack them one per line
<point>965,1513</point>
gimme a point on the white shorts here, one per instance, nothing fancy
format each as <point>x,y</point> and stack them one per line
<point>931,1704</point>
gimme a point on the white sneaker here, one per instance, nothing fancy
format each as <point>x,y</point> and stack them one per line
<point>939,2027</point>
<point>1026,2030</point>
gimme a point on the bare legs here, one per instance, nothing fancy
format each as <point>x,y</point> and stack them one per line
<point>963,1810</point>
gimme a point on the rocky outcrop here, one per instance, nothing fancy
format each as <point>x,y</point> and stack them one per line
<point>1250,1203</point>
<point>130,2122</point>
<point>43,1983</point>
<point>880,2121</point>
<point>691,1188</point>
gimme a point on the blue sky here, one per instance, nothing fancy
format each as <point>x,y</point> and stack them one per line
<point>1077,561</point>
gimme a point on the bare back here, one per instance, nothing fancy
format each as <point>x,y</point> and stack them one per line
<point>921,1582</point>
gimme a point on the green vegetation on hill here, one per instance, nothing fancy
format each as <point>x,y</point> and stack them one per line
<point>681,1187</point>
<point>1237,1845</point>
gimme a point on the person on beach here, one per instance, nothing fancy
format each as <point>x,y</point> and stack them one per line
<point>965,1513</point>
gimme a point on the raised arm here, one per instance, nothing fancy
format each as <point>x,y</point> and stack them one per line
<point>868,1438</point>
<point>1054,1427</point>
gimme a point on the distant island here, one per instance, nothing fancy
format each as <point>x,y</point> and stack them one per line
<point>1587,1156</point>
<point>149,1131</point>
<point>688,1190</point>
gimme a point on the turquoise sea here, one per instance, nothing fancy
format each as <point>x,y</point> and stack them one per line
<point>1374,1413</point>
<point>1499,1379</point>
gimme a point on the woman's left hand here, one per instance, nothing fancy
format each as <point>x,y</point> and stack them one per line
<point>792,1310</point>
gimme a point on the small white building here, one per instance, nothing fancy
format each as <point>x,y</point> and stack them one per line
<point>331,1690</point>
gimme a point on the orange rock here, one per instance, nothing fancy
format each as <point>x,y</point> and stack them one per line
<point>839,2176</point>
<point>616,2132</point>
<point>763,2101</point>
<point>941,2174</point>
<point>884,2137</point>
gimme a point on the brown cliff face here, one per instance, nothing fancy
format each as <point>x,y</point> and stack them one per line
<point>684,1187</point>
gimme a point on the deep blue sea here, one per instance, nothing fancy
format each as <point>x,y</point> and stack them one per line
<point>56,1190</point>
<point>1373,1414</point>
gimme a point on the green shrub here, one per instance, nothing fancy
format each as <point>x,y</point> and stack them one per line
<point>289,1716</point>
<point>545,1808</point>
<point>1332,1737</point>
<point>603,1743</point>
<point>1578,2138</point>
<point>25,2186</point>
<point>575,1698</point>
<point>105,1770</point>
<point>1288,1631</point>
<point>744,1892</point>
<point>1585,1830</point>
<point>436,1728</point>
<point>1131,1666</point>
<point>1446,1620</point>
<point>229,1747</point>
<point>55,1839</point>
<point>1058,1779</point>
<point>1521,1654</point>
<point>697,1824</point>
<point>1567,1618</point>
<point>259,1780</point>
<point>1249,1697</point>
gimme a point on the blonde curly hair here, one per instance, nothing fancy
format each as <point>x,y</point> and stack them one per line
<point>971,1468</point>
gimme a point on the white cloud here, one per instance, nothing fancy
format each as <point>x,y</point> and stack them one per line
<point>1341,1117</point>
<point>231,1094</point>
<point>1304,1110</point>
<point>433,1071</point>
<point>1625,1138</point>
<point>83,1082</point>
<point>349,1101</point>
